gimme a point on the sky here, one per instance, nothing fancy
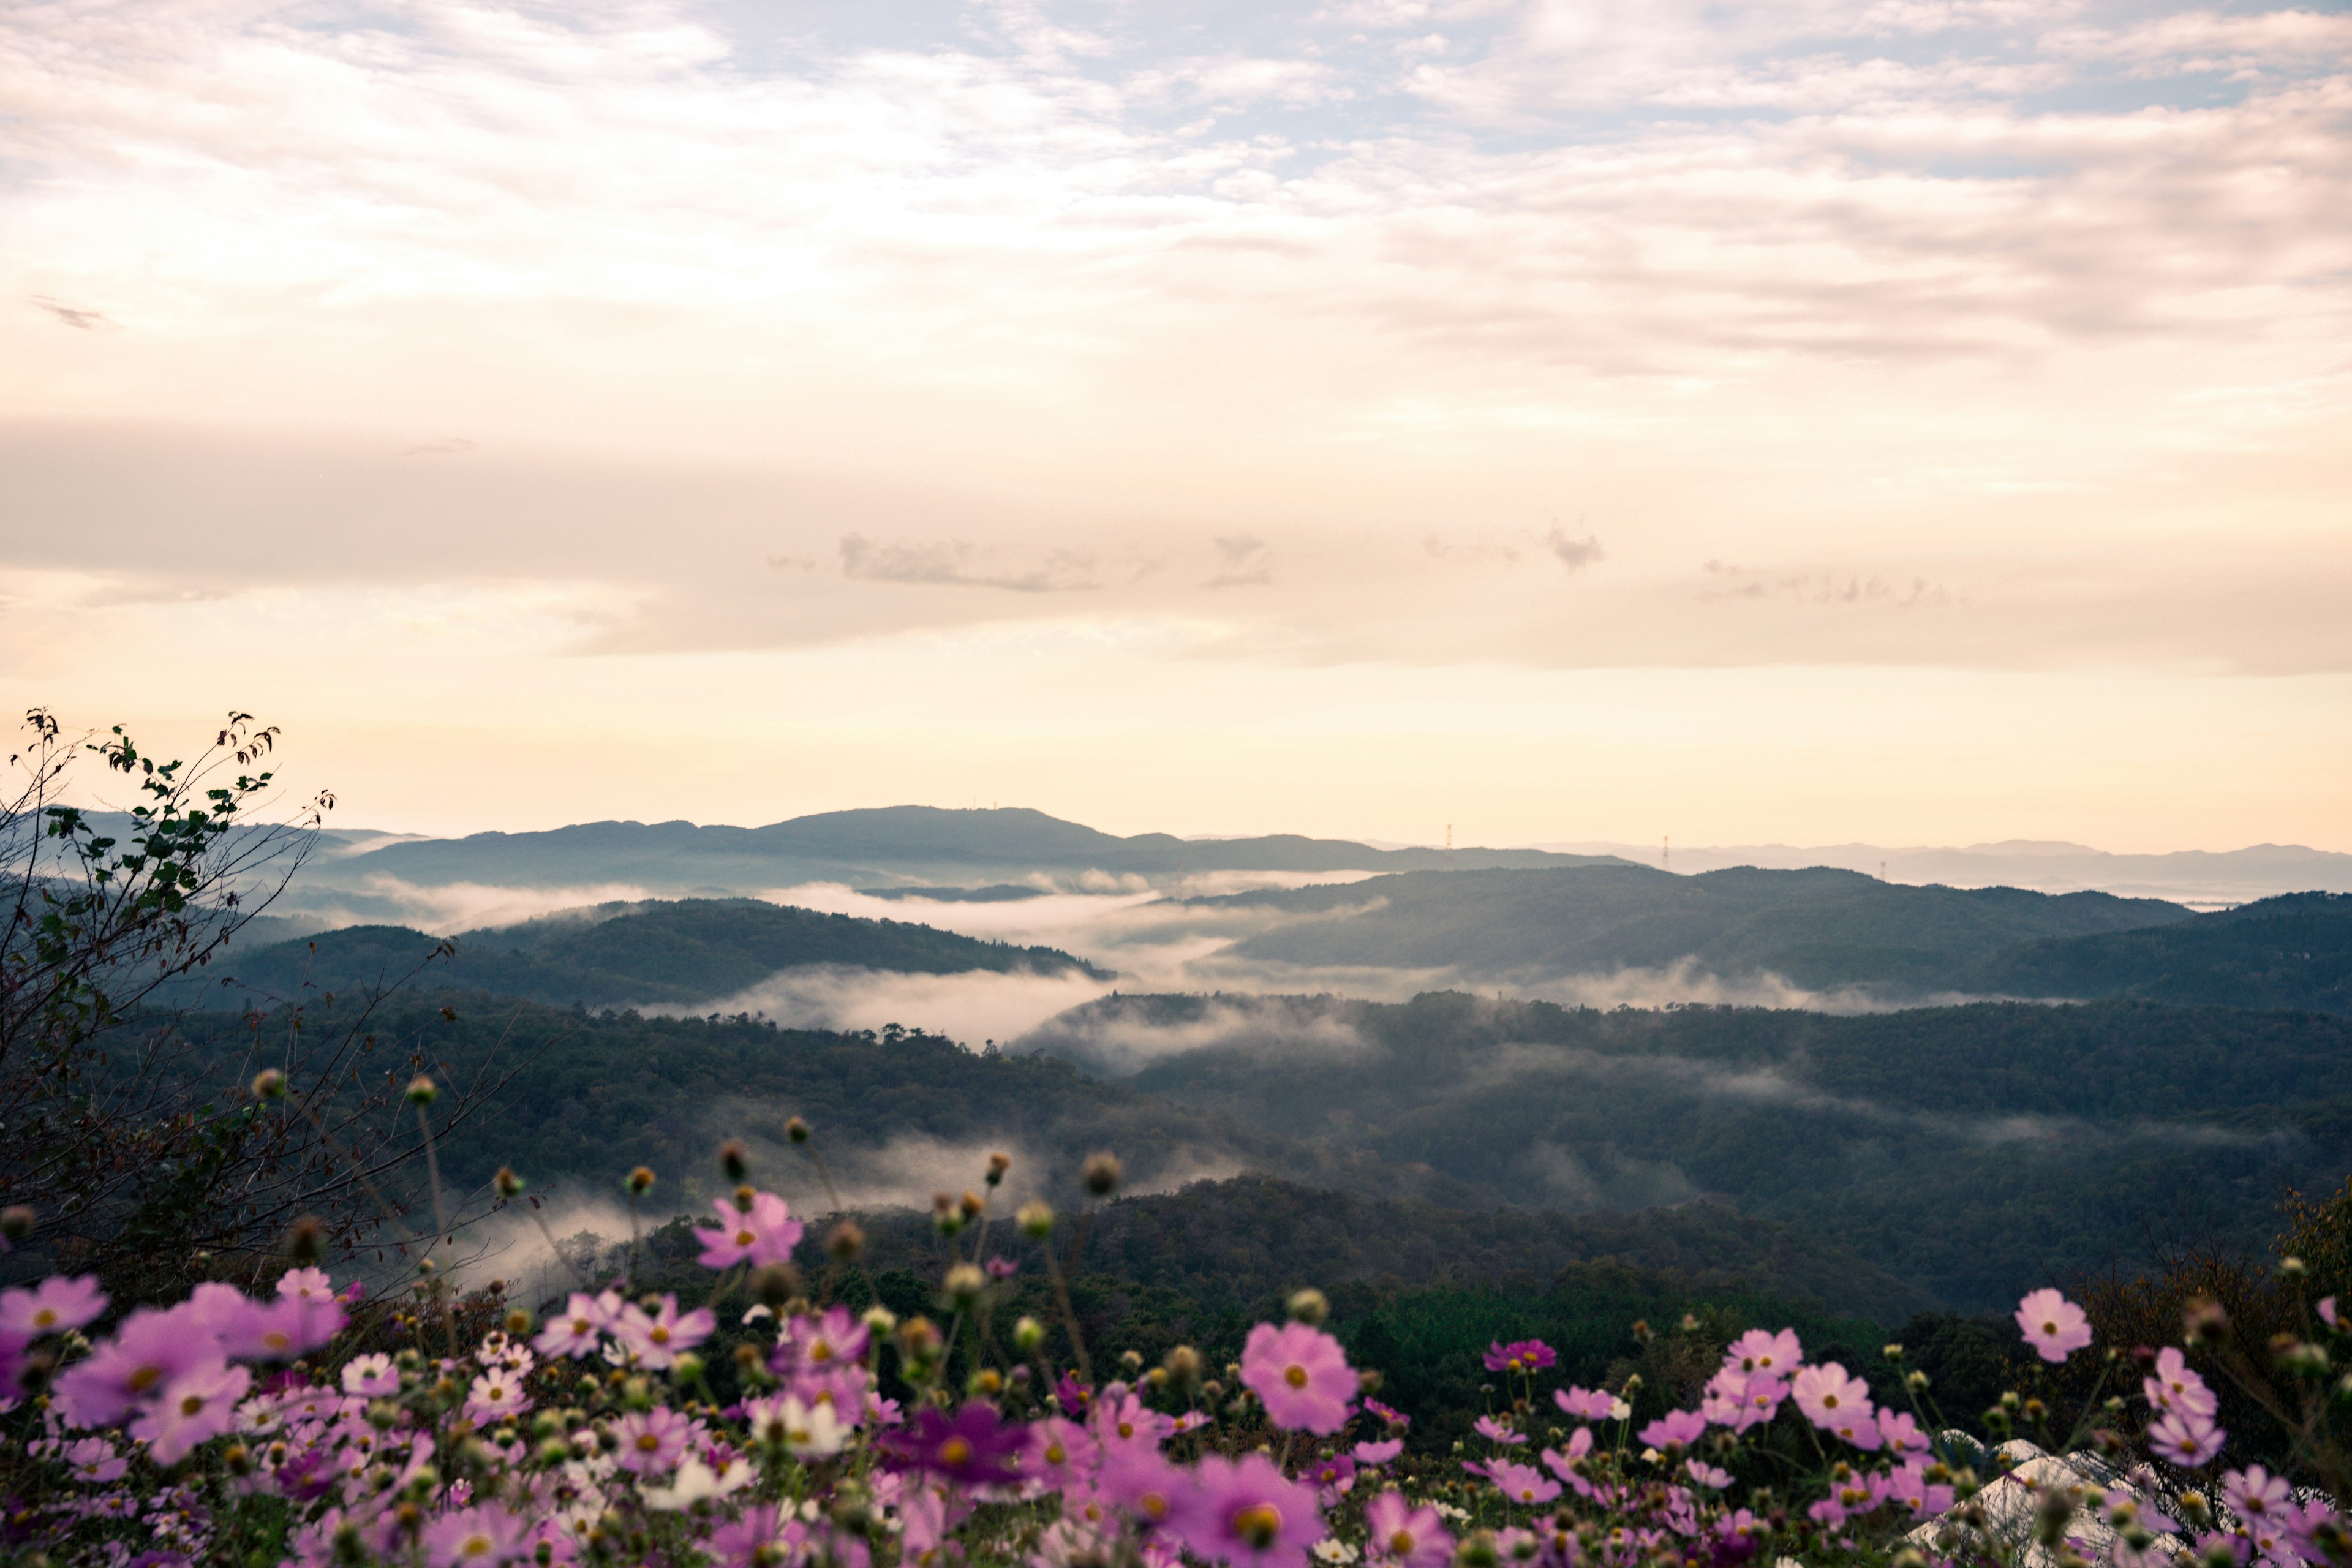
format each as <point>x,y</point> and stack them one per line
<point>1909,421</point>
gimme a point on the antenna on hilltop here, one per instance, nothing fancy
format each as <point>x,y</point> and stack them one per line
<point>1666,850</point>
<point>1449,839</point>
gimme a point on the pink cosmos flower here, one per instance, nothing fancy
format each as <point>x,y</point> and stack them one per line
<point>1585,1403</point>
<point>2178,1386</point>
<point>1246,1512</point>
<point>152,1348</point>
<point>472,1536</point>
<point>309,1285</point>
<point>279,1330</point>
<point>194,1406</point>
<point>576,1330</point>
<point>1519,1355</point>
<point>1140,1483</point>
<point>1493,1431</point>
<point>2185,1438</point>
<point>2327,1311</point>
<point>1302,1376</point>
<point>495,1396</point>
<point>95,1461</point>
<point>1060,1454</point>
<point>976,1446</point>
<point>1676,1430</point>
<point>54,1306</point>
<point>653,1441</point>
<point>1909,1489</point>
<point>764,1534</point>
<point>2255,1493</point>
<point>371,1376</point>
<point>1831,1399</point>
<point>1522,1483</point>
<point>2054,1326</point>
<point>1126,1420</point>
<point>1563,1464</point>
<point>766,1233</point>
<point>821,1343</point>
<point>1757,1351</point>
<point>658,1341</point>
<point>1900,1433</point>
<point>1396,1533</point>
<point>1708,1476</point>
<point>1378,1453</point>
<point>1397,1420</point>
<point>1332,1479</point>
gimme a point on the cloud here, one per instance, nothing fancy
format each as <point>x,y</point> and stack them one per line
<point>971,1007</point>
<point>1575,554</point>
<point>954,564</point>
<point>448,447</point>
<point>1246,560</point>
<point>72,316</point>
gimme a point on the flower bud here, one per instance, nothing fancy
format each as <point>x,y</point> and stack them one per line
<point>732,1160</point>
<point>964,1284</point>
<point>1100,1174</point>
<point>17,1221</point>
<point>1027,1335</point>
<point>1035,1220</point>
<point>845,1242</point>
<point>687,1367</point>
<point>1892,1353</point>
<point>1916,1381</point>
<point>306,1239</point>
<point>508,1183</point>
<point>1183,1368</point>
<point>879,1320</point>
<point>269,1084</point>
<point>919,1340</point>
<point>797,1130</point>
<point>775,1284</point>
<point>518,1321</point>
<point>985,1384</point>
<point>1309,1306</point>
<point>421,1090</point>
<point>998,1163</point>
<point>2205,1323</point>
<point>971,1204</point>
<point>640,1181</point>
<point>945,1217</point>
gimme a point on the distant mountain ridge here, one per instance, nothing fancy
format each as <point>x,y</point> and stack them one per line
<point>2289,952</point>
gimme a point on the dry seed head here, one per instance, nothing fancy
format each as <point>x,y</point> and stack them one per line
<point>797,1130</point>
<point>964,1284</point>
<point>508,1183</point>
<point>17,1221</point>
<point>306,1239</point>
<point>744,1199</point>
<point>640,1181</point>
<point>971,1204</point>
<point>776,1284</point>
<point>269,1084</point>
<point>421,1090</point>
<point>1101,1175</point>
<point>1035,1220</point>
<point>845,1242</point>
<point>997,1165</point>
<point>1309,1306</point>
<point>733,1161</point>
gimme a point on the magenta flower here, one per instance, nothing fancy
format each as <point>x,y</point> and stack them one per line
<point>194,1406</point>
<point>653,1441</point>
<point>658,1341</point>
<point>1140,1483</point>
<point>1493,1431</point>
<point>1332,1479</point>
<point>2186,1439</point>
<point>1302,1376</point>
<point>765,1233</point>
<point>2054,1326</point>
<point>576,1330</point>
<point>54,1306</point>
<point>151,1349</point>
<point>2178,1386</point>
<point>1757,1351</point>
<point>1522,1483</point>
<point>1585,1403</point>
<point>1397,1420</point>
<point>1901,1434</point>
<point>1408,1537</point>
<point>1519,1355</point>
<point>977,1448</point>
<point>308,1285</point>
<point>1126,1420</point>
<point>2327,1311</point>
<point>1247,1513</point>
<point>1909,1489</point>
<point>95,1461</point>
<point>1676,1430</point>
<point>1378,1453</point>
<point>476,1535</point>
<point>279,1330</point>
<point>820,1342</point>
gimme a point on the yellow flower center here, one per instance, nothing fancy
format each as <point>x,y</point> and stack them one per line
<point>745,1238</point>
<point>191,1406</point>
<point>45,1317</point>
<point>660,1335</point>
<point>956,1451</point>
<point>1296,1376</point>
<point>648,1444</point>
<point>143,1380</point>
<point>820,1350</point>
<point>1259,1524</point>
<point>1127,1429</point>
<point>2049,1328</point>
<point>1055,1454</point>
<point>277,1339</point>
<point>474,1545</point>
<point>1402,1542</point>
<point>1828,1402</point>
<point>1153,1504</point>
<point>580,1326</point>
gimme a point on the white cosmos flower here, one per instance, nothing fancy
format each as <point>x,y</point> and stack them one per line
<point>696,1482</point>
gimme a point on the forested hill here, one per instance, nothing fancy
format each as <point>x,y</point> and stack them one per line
<point>2290,952</point>
<point>1818,928</point>
<point>878,846</point>
<point>1969,1149</point>
<point>688,952</point>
